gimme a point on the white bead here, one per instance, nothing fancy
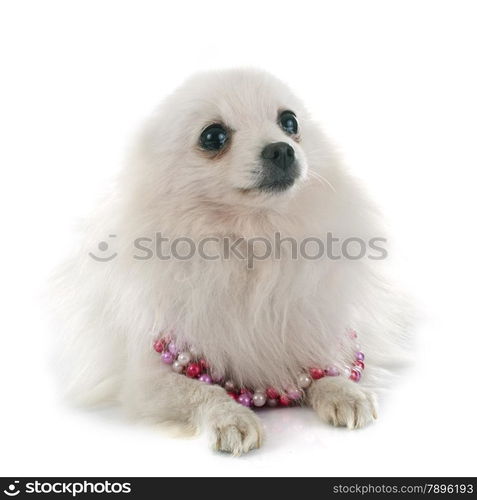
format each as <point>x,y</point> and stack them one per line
<point>229,385</point>
<point>183,358</point>
<point>346,371</point>
<point>304,380</point>
<point>177,367</point>
<point>259,399</point>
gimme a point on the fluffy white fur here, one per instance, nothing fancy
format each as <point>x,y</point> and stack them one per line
<point>259,326</point>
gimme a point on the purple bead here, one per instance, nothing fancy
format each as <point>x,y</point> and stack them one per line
<point>294,394</point>
<point>172,348</point>
<point>167,357</point>
<point>244,399</point>
<point>332,371</point>
<point>360,356</point>
<point>207,379</point>
<point>247,393</point>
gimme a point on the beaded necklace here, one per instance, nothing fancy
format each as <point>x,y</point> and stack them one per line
<point>186,363</point>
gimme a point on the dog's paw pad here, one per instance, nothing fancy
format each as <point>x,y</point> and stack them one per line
<point>236,432</point>
<point>344,403</point>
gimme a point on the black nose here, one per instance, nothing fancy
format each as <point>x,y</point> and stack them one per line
<point>280,153</point>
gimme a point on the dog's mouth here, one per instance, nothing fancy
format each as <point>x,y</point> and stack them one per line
<point>269,179</point>
<point>277,185</point>
<point>277,180</point>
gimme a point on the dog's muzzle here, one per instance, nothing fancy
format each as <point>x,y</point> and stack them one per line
<point>280,168</point>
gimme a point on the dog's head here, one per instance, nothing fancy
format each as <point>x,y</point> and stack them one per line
<point>234,136</point>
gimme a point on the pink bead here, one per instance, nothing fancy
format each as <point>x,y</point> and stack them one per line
<point>245,400</point>
<point>167,357</point>
<point>355,375</point>
<point>207,379</point>
<point>316,373</point>
<point>332,371</point>
<point>159,345</point>
<point>233,395</point>
<point>360,364</point>
<point>284,400</point>
<point>272,393</point>
<point>193,370</point>
<point>203,365</point>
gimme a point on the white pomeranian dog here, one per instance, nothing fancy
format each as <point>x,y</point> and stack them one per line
<point>235,235</point>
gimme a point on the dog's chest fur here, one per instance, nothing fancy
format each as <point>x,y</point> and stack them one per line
<point>263,325</point>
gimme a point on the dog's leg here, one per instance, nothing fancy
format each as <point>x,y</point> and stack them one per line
<point>159,395</point>
<point>342,402</point>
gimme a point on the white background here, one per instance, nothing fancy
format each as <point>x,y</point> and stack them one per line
<point>392,82</point>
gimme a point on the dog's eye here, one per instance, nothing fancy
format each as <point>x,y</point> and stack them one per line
<point>213,137</point>
<point>287,121</point>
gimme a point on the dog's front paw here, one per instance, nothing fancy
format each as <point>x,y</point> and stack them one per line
<point>235,429</point>
<point>342,402</point>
